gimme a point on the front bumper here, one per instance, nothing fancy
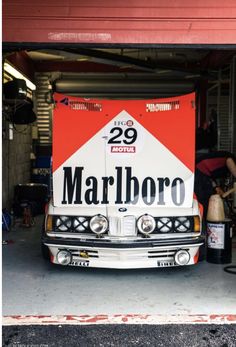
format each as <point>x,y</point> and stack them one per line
<point>124,255</point>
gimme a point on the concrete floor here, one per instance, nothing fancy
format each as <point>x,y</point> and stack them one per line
<point>32,286</point>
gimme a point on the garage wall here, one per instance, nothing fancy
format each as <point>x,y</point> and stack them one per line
<point>15,160</point>
<point>120,21</point>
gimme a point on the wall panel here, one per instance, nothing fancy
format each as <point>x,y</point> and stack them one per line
<point>105,21</point>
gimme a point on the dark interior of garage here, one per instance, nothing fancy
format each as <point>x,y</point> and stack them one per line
<point>112,73</point>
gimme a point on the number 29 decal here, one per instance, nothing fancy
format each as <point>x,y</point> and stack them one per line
<point>127,136</point>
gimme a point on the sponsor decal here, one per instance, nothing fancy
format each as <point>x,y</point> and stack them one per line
<point>81,105</point>
<point>84,263</point>
<point>163,106</point>
<point>123,149</point>
<point>151,190</point>
<point>166,263</point>
<point>129,123</point>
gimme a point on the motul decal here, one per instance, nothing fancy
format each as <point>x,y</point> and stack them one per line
<point>123,149</point>
<point>123,152</point>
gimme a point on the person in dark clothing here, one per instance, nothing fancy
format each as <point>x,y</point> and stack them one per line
<point>216,164</point>
<point>210,167</point>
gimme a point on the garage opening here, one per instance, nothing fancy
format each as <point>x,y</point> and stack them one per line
<point>140,72</point>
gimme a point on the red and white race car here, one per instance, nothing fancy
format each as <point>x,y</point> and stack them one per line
<point>123,175</point>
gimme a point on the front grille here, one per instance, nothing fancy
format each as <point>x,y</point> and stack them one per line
<point>165,225</point>
<point>73,224</point>
<point>163,254</point>
<point>89,253</point>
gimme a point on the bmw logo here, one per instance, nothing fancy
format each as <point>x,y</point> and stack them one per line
<point>122,209</point>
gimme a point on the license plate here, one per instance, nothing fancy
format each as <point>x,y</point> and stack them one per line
<point>80,263</point>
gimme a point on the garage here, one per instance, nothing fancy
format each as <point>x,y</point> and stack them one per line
<point>104,53</point>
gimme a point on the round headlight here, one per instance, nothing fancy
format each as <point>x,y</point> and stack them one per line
<point>98,224</point>
<point>64,257</point>
<point>80,224</point>
<point>63,223</point>
<point>182,224</point>
<point>146,224</point>
<point>182,257</point>
<point>164,225</point>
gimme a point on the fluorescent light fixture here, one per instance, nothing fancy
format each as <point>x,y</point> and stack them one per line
<point>17,74</point>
